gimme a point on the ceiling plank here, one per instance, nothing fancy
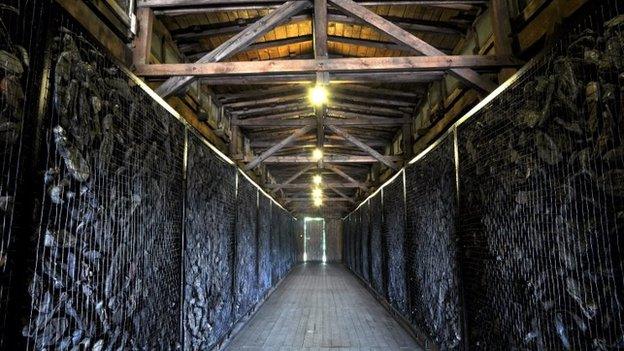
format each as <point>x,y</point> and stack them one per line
<point>241,40</point>
<point>402,36</point>
<point>381,158</point>
<point>342,65</point>
<point>255,162</point>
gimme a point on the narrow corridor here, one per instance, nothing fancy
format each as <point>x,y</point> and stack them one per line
<point>322,307</point>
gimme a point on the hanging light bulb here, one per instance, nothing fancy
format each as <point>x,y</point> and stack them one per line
<point>317,179</point>
<point>317,193</point>
<point>318,95</point>
<point>317,154</point>
<point>318,202</point>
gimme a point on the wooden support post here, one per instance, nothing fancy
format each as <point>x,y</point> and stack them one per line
<point>408,141</point>
<point>501,27</point>
<point>402,36</point>
<point>237,42</point>
<point>143,41</point>
<point>255,162</point>
<point>355,141</point>
<point>234,144</point>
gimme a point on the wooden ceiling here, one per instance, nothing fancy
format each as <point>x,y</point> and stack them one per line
<point>368,107</point>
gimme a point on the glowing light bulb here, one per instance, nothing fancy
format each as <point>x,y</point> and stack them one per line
<point>318,202</point>
<point>318,95</point>
<point>317,193</point>
<point>317,154</point>
<point>317,179</point>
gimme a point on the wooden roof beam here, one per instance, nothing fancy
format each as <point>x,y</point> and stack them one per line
<point>307,185</point>
<point>233,45</point>
<point>343,65</point>
<point>456,4</point>
<point>381,158</point>
<point>255,162</point>
<point>293,177</point>
<point>402,36</point>
<point>328,159</point>
<point>339,171</point>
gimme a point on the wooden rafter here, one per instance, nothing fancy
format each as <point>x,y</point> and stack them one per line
<point>255,162</point>
<point>293,177</point>
<point>340,193</point>
<point>344,175</point>
<point>402,36</point>
<point>381,158</point>
<point>237,42</point>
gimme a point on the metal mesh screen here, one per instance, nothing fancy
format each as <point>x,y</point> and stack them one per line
<point>264,244</point>
<point>376,252</point>
<point>431,246</point>
<point>364,242</point>
<point>246,247</point>
<point>208,258</point>
<point>541,194</point>
<point>15,74</point>
<point>393,231</point>
<point>357,241</point>
<point>108,267</point>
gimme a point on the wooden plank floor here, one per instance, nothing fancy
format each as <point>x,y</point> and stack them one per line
<point>322,307</point>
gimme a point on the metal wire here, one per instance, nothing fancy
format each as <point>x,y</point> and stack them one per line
<point>210,218</point>
<point>541,199</point>
<point>534,248</point>
<point>431,247</point>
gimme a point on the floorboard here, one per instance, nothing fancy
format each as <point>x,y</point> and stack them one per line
<point>322,307</point>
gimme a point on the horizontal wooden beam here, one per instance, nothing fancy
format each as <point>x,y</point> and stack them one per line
<point>195,3</point>
<point>359,120</point>
<point>308,78</point>
<point>359,65</point>
<point>309,186</point>
<point>325,199</point>
<point>328,159</point>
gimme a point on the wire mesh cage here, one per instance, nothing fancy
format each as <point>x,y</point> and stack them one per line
<point>541,200</point>
<point>431,246</point>
<point>108,260</point>
<point>364,242</point>
<point>246,247</point>
<point>210,214</point>
<point>18,79</point>
<point>376,247</point>
<point>393,232</point>
<point>264,244</point>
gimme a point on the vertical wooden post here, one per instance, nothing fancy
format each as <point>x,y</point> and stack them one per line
<point>501,28</point>
<point>322,78</point>
<point>142,44</point>
<point>234,143</point>
<point>408,141</point>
